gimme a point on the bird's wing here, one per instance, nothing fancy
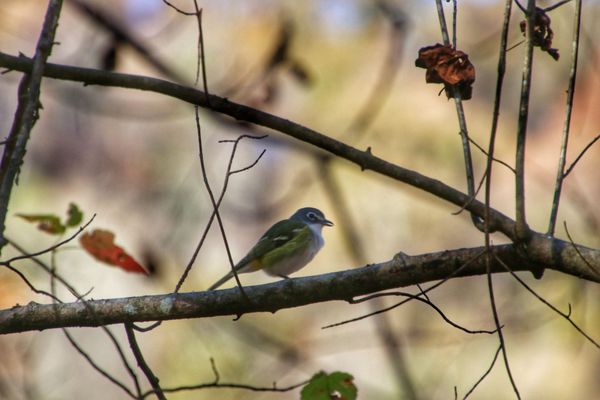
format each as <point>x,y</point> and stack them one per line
<point>277,236</point>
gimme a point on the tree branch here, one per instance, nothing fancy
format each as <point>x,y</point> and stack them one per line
<point>364,159</point>
<point>289,293</point>
<point>27,111</point>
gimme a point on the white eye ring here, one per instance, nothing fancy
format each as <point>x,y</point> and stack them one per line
<point>312,216</point>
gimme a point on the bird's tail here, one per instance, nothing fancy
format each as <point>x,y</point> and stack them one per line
<point>221,281</point>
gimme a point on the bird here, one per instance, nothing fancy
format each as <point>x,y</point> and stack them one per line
<point>286,247</point>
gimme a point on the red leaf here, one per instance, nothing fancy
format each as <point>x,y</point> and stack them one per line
<point>100,244</point>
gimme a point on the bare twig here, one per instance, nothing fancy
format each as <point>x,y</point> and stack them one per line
<point>124,360</point>
<point>585,261</point>
<point>94,365</point>
<point>29,284</point>
<point>486,153</point>
<point>53,247</point>
<point>586,148</point>
<point>54,276</point>
<point>473,197</point>
<point>216,384</point>
<point>558,4</point>
<point>560,173</point>
<point>135,349</point>
<point>208,225</point>
<point>201,60</point>
<point>462,120</point>
<point>486,373</point>
<point>386,309</point>
<point>498,325</point>
<point>566,316</point>
<point>242,386</point>
<point>179,10</point>
<point>425,301</point>
<point>215,203</point>
<point>488,183</point>
<point>521,228</point>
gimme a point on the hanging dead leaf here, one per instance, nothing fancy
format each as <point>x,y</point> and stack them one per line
<point>542,33</point>
<point>100,244</point>
<point>445,64</point>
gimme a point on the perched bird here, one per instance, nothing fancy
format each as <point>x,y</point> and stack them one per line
<point>286,247</point>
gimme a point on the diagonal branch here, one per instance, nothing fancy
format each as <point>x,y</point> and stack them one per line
<point>364,159</point>
<point>539,248</point>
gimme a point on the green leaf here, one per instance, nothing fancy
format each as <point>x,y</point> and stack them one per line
<point>334,386</point>
<point>47,222</point>
<point>74,215</point>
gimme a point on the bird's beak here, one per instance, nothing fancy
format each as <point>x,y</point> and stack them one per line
<point>326,222</point>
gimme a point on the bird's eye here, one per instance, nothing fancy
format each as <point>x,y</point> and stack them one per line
<point>312,216</point>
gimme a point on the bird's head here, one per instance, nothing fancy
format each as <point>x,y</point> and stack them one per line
<point>311,216</point>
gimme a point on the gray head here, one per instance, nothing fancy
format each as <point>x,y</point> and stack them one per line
<point>311,216</point>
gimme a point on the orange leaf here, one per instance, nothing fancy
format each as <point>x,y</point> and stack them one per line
<point>100,244</point>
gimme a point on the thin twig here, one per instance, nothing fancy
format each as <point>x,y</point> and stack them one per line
<point>208,225</point>
<point>407,300</point>
<point>560,172</point>
<point>52,271</point>
<point>99,369</point>
<point>137,353</point>
<point>179,10</point>
<point>566,316</point>
<point>124,360</point>
<point>251,388</point>
<point>201,58</point>
<point>486,373</point>
<point>201,156</point>
<point>53,247</point>
<point>228,173</point>
<point>560,3</point>
<point>499,326</point>
<point>493,158</point>
<point>473,197</point>
<point>585,261</point>
<point>586,148</point>
<point>29,284</point>
<point>215,203</point>
<point>425,301</point>
<point>488,181</point>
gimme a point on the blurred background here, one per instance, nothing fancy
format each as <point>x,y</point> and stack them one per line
<point>346,69</point>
